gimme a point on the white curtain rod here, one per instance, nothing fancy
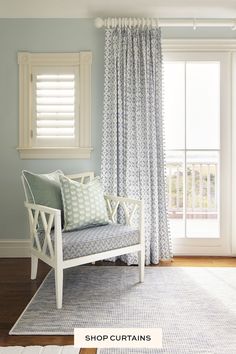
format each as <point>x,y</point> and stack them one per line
<point>162,22</point>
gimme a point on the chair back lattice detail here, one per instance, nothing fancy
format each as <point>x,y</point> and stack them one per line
<point>48,224</point>
<point>44,244</point>
<point>122,208</point>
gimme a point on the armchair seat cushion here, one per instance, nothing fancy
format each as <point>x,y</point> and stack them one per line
<point>97,239</point>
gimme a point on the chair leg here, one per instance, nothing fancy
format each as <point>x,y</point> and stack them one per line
<point>34,266</point>
<point>59,286</point>
<point>141,263</point>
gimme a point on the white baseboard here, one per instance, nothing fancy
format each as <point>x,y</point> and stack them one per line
<point>21,248</point>
<point>14,248</point>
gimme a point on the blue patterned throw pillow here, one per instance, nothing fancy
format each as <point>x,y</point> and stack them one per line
<point>84,204</point>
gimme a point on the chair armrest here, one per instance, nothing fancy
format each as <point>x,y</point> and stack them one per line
<point>43,208</point>
<point>51,218</point>
<point>129,205</point>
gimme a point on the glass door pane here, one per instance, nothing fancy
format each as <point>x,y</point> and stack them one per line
<point>174,104</point>
<point>175,184</point>
<point>202,105</point>
<point>192,125</point>
<point>202,194</point>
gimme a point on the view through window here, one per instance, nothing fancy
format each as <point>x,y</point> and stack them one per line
<point>192,129</point>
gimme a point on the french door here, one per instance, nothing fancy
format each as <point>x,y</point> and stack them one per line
<point>197,105</point>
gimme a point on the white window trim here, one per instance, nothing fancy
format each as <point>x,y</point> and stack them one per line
<point>215,45</point>
<point>28,60</point>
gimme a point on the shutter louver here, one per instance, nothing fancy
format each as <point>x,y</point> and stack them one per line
<point>55,106</point>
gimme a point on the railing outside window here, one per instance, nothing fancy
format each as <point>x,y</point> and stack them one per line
<point>201,193</point>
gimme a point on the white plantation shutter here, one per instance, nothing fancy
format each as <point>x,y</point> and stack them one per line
<point>55,105</point>
<point>55,108</point>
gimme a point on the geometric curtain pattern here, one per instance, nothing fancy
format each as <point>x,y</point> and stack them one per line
<point>133,159</point>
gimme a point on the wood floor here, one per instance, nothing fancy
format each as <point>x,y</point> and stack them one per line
<point>16,290</point>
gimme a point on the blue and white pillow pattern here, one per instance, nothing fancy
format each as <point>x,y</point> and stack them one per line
<point>84,204</point>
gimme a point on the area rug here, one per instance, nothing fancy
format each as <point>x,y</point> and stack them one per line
<point>195,307</point>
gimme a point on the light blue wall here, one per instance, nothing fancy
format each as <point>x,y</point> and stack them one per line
<point>39,36</point>
<point>59,35</point>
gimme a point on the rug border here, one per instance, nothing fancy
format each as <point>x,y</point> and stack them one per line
<point>18,319</point>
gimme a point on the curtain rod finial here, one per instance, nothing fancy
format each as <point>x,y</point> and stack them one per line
<point>99,22</point>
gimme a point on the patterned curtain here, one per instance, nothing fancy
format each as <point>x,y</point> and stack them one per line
<point>133,162</point>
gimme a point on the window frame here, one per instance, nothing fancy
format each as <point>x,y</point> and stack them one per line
<point>27,62</point>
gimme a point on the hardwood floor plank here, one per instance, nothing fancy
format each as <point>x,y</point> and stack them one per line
<point>88,351</point>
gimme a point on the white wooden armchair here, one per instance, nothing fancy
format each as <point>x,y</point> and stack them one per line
<point>61,250</point>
